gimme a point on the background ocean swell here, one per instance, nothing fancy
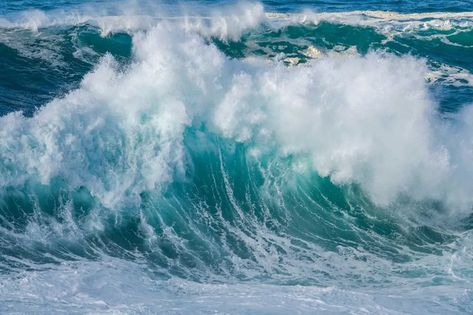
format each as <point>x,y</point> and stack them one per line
<point>220,157</point>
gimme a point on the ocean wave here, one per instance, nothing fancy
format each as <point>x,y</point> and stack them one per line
<point>227,22</point>
<point>375,134</point>
<point>376,30</point>
<point>221,156</point>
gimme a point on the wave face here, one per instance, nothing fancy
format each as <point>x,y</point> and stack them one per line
<point>230,159</point>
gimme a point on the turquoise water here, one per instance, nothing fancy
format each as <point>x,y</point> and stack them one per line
<point>221,157</point>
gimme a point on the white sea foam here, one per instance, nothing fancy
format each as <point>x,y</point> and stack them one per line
<point>434,19</point>
<point>115,286</point>
<point>366,120</point>
<point>226,23</point>
<point>229,21</point>
<point>450,75</point>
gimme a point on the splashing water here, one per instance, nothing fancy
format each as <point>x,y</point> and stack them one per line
<point>233,159</point>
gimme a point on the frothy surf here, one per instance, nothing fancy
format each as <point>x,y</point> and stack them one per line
<point>218,173</point>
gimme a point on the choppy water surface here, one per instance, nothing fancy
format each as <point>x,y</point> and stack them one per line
<point>257,158</point>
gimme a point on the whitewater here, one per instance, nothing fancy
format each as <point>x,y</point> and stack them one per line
<point>236,157</point>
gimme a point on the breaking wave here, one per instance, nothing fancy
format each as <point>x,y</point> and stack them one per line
<point>209,164</point>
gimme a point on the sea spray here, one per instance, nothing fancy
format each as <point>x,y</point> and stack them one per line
<point>188,166</point>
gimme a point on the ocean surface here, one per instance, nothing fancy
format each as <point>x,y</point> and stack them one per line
<point>221,157</point>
